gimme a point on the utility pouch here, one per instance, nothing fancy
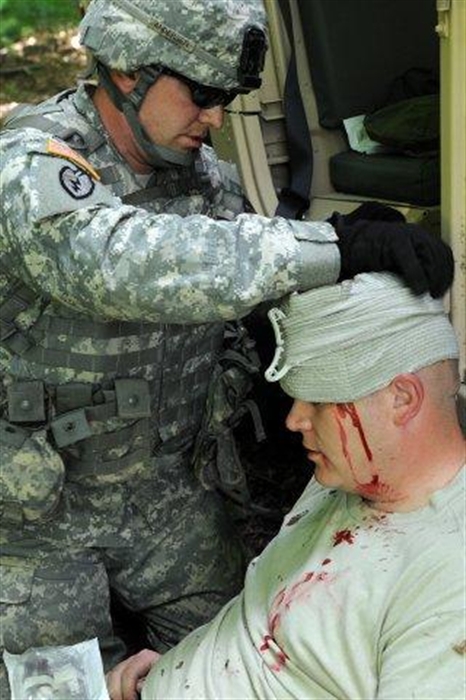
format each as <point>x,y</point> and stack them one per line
<point>26,402</point>
<point>31,475</point>
<point>132,397</point>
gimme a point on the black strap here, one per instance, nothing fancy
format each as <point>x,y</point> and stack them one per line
<point>294,200</point>
<point>168,188</point>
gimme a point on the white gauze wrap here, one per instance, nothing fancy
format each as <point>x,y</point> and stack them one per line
<point>342,342</point>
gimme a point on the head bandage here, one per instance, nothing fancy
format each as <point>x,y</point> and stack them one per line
<point>339,343</point>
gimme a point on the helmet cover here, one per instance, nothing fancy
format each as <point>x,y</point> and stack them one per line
<point>220,43</point>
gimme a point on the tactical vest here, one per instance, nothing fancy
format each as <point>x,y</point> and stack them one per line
<point>112,394</point>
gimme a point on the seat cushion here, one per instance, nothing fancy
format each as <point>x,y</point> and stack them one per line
<point>386,176</point>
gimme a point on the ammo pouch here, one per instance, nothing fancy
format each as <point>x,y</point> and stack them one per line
<point>217,462</point>
<point>33,460</point>
<point>31,474</point>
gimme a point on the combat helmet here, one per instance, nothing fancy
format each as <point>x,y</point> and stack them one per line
<point>217,46</point>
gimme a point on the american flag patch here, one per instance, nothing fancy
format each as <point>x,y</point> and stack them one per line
<point>55,148</point>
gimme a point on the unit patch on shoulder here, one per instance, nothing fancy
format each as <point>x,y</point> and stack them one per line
<point>76,182</point>
<point>57,148</point>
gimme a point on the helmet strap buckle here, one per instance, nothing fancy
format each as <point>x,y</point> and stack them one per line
<point>148,75</point>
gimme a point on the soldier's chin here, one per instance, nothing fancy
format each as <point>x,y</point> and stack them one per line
<point>190,143</point>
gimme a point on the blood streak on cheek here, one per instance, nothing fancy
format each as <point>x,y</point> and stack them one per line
<point>370,489</point>
<point>343,437</point>
<point>349,409</point>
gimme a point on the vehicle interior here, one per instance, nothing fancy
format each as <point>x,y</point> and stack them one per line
<point>336,70</point>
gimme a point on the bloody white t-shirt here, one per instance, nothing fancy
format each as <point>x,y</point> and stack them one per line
<point>345,602</point>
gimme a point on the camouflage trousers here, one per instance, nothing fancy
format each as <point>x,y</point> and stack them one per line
<point>164,545</point>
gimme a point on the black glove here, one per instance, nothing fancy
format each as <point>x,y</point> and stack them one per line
<point>369,211</point>
<point>422,259</point>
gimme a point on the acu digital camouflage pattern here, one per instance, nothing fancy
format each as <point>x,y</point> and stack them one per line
<point>31,475</point>
<point>126,264</point>
<point>126,292</point>
<point>201,39</point>
<point>170,554</point>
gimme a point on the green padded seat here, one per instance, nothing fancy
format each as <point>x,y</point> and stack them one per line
<point>357,51</point>
<point>388,176</point>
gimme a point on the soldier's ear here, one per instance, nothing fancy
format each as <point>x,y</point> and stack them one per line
<point>124,81</point>
<point>407,391</point>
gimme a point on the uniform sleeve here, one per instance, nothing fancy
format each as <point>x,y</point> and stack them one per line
<point>68,237</point>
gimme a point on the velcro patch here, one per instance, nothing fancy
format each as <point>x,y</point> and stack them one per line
<point>56,148</point>
<point>60,186</point>
<point>76,182</point>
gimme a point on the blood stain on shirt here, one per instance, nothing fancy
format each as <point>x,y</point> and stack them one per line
<point>282,602</point>
<point>343,536</point>
<point>293,594</point>
<point>280,658</point>
<point>265,643</point>
<point>280,662</point>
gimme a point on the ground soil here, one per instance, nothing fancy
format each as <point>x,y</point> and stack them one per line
<point>38,67</point>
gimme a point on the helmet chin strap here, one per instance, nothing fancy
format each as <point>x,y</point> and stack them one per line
<point>129,105</point>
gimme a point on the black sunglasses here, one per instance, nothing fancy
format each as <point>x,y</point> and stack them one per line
<point>205,96</point>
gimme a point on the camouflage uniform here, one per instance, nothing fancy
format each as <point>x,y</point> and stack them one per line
<point>112,318</point>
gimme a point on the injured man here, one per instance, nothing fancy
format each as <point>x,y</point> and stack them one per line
<point>361,594</point>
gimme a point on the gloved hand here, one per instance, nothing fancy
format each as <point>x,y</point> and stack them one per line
<point>422,259</point>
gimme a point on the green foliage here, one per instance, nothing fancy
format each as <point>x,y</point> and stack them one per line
<point>19,18</point>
